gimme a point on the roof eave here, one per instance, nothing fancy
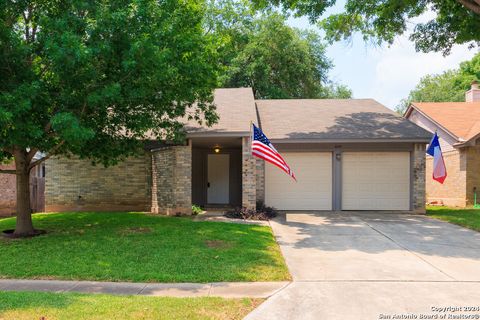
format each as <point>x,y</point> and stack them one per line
<point>217,134</point>
<point>407,112</point>
<point>467,143</point>
<point>365,140</point>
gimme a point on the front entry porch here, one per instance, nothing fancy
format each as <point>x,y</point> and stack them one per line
<point>223,173</point>
<point>205,171</point>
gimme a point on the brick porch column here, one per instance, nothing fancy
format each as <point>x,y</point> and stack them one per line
<point>260,180</point>
<point>248,175</point>
<point>172,180</point>
<point>419,178</point>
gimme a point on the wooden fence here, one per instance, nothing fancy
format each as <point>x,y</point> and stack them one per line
<point>37,194</point>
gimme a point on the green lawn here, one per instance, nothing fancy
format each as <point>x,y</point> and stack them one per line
<point>141,248</point>
<point>469,218</point>
<point>49,306</point>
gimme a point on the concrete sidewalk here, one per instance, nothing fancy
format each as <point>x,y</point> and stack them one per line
<point>214,289</point>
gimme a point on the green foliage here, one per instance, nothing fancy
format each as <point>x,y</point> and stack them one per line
<point>337,91</point>
<point>78,306</point>
<point>138,247</point>
<point>468,218</point>
<point>93,78</point>
<point>263,52</point>
<point>261,212</point>
<point>455,21</point>
<point>447,86</point>
<point>196,209</point>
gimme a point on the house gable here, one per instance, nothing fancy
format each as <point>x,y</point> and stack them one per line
<point>461,120</point>
<point>447,139</point>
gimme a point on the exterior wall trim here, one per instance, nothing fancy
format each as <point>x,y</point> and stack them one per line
<point>337,141</point>
<point>337,179</point>
<point>218,134</point>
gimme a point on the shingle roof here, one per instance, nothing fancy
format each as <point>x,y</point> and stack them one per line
<point>236,108</point>
<point>462,119</point>
<point>335,119</point>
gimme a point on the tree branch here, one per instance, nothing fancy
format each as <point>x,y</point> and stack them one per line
<point>472,5</point>
<point>27,27</point>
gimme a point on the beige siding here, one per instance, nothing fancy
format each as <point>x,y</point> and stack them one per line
<point>313,189</point>
<point>376,181</point>
<point>473,173</point>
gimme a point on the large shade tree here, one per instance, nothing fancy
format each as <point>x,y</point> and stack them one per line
<point>444,87</point>
<point>91,78</point>
<point>453,22</point>
<point>263,52</point>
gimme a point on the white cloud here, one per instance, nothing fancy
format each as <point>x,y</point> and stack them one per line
<point>399,68</point>
<point>387,74</point>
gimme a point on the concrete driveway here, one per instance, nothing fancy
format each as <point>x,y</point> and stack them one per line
<point>370,266</point>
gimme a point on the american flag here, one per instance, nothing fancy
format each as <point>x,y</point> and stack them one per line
<point>263,149</point>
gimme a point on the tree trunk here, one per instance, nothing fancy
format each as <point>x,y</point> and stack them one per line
<point>24,225</point>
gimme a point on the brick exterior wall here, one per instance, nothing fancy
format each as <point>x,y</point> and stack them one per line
<point>76,185</point>
<point>453,191</point>
<point>249,185</point>
<point>8,194</point>
<point>418,192</point>
<point>260,180</point>
<point>172,180</point>
<point>472,155</point>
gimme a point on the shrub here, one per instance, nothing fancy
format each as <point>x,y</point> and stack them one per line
<point>196,209</point>
<point>262,212</point>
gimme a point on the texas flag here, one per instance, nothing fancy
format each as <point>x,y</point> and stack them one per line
<point>439,170</point>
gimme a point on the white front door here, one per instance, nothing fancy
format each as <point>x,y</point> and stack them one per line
<point>218,178</point>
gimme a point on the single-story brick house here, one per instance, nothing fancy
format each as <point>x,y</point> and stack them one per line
<point>352,154</point>
<point>458,128</point>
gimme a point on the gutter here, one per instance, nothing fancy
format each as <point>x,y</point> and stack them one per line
<point>216,134</point>
<point>372,140</point>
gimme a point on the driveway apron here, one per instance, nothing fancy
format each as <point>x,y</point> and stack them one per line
<point>365,265</point>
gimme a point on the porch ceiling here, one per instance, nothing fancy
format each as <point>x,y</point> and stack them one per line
<point>221,142</point>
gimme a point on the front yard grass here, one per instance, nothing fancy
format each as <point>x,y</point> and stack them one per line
<point>138,247</point>
<point>43,305</point>
<point>469,218</point>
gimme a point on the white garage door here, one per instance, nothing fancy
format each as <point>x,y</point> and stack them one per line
<point>313,189</point>
<point>376,181</point>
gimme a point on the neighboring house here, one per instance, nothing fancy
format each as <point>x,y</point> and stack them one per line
<point>8,193</point>
<point>458,127</point>
<point>350,154</point>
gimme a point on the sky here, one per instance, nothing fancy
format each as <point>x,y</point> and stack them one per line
<point>386,74</point>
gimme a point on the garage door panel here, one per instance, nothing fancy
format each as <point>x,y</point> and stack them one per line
<point>313,189</point>
<point>376,181</point>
